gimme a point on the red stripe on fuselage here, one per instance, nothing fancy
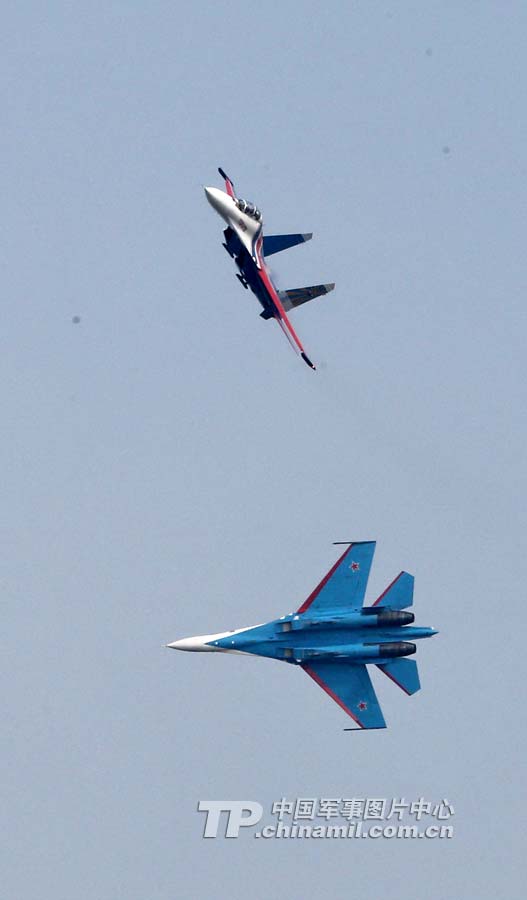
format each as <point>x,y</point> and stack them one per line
<point>332,694</point>
<point>271,290</point>
<point>314,594</point>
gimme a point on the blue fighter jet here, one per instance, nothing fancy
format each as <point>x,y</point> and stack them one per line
<point>245,242</point>
<point>333,637</point>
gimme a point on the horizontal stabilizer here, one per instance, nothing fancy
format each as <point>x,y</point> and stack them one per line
<point>404,673</point>
<point>399,594</point>
<point>274,243</point>
<point>297,296</point>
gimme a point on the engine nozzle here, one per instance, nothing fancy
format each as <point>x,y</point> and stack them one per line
<point>394,617</point>
<point>397,648</point>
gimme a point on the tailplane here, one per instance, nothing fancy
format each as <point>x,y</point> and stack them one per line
<point>404,673</point>
<point>296,296</point>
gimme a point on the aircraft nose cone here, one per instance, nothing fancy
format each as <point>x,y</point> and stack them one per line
<point>187,644</point>
<point>197,643</point>
<point>213,195</point>
<point>220,201</point>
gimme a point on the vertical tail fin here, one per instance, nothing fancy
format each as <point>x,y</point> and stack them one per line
<point>229,187</point>
<point>399,594</point>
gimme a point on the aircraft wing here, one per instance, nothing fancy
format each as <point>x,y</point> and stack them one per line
<point>275,243</point>
<point>344,586</point>
<point>349,685</point>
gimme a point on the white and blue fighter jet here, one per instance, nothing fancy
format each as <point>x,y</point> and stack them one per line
<point>245,242</point>
<point>333,637</point>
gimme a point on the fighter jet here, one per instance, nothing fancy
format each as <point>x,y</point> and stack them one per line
<point>245,243</point>
<point>333,637</point>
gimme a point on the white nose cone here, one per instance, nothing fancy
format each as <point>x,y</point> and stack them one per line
<point>192,643</point>
<point>221,202</point>
<point>246,227</point>
<point>208,642</point>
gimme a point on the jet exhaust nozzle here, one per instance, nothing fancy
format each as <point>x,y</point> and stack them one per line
<point>397,648</point>
<point>394,617</point>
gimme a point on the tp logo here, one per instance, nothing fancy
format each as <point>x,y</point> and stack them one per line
<point>236,817</point>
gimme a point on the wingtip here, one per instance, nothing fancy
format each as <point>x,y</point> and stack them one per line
<point>307,236</point>
<point>329,287</point>
<point>367,728</point>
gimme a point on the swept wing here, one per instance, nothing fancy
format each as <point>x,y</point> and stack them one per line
<point>349,685</point>
<point>345,584</point>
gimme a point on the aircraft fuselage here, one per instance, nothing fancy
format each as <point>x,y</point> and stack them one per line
<point>244,242</point>
<point>281,640</point>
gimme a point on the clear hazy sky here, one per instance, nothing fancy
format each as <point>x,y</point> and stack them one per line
<point>170,468</point>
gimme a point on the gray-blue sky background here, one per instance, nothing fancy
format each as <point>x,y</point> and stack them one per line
<point>170,468</point>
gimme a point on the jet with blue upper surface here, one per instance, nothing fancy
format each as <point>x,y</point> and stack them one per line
<point>333,637</point>
<point>246,244</point>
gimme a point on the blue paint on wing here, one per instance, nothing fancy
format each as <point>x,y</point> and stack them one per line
<point>345,584</point>
<point>350,686</point>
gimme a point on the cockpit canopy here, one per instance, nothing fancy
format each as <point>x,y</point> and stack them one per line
<point>249,209</point>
